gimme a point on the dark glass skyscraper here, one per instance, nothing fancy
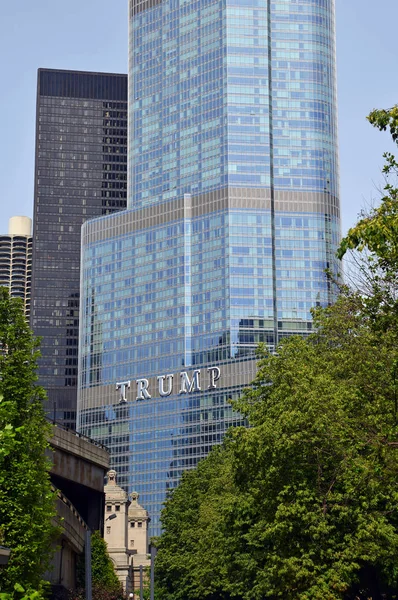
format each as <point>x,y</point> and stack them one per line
<point>233,218</point>
<point>80,173</point>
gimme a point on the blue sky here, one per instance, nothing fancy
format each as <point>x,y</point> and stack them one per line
<point>92,35</point>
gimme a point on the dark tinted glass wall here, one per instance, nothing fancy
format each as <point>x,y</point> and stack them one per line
<point>80,173</point>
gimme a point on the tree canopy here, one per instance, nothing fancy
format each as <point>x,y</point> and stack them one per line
<point>303,504</point>
<point>26,499</point>
<point>105,583</point>
<point>305,501</point>
<point>378,230</point>
<point>102,569</point>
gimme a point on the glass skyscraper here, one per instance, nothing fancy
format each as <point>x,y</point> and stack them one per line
<point>80,173</point>
<point>233,218</point>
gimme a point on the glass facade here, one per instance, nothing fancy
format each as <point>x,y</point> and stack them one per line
<point>233,218</point>
<point>241,95</point>
<point>141,315</point>
<point>211,79</point>
<point>80,173</point>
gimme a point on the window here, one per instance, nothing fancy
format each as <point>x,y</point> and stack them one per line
<point>117,508</point>
<point>108,508</point>
<point>139,523</point>
<point>132,524</point>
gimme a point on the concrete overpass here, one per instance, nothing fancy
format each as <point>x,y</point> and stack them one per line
<point>79,466</point>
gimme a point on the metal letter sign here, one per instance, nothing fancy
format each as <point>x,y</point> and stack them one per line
<point>214,373</point>
<point>161,379</point>
<point>189,386</point>
<point>142,389</point>
<point>165,384</point>
<point>122,387</point>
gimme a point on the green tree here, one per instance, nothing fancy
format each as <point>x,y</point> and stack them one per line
<point>20,594</point>
<point>105,584</point>
<point>27,504</point>
<point>378,230</point>
<point>103,572</point>
<point>303,504</point>
<point>374,239</point>
<point>195,549</point>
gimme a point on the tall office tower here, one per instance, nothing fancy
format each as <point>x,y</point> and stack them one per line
<point>16,259</point>
<point>233,217</point>
<point>80,173</point>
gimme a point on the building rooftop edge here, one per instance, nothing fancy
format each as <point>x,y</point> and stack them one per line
<point>78,72</point>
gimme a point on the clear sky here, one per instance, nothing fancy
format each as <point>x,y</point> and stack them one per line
<point>92,35</point>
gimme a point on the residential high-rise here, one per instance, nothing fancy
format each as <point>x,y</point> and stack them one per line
<point>233,218</point>
<point>80,173</point>
<point>16,259</point>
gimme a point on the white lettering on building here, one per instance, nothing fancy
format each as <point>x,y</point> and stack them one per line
<point>190,386</point>
<point>142,389</point>
<point>214,373</point>
<point>122,386</point>
<point>189,383</point>
<point>161,379</point>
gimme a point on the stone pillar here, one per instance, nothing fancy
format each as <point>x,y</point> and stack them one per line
<point>138,521</point>
<point>115,530</point>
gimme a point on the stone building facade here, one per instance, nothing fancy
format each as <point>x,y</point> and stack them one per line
<point>126,533</point>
